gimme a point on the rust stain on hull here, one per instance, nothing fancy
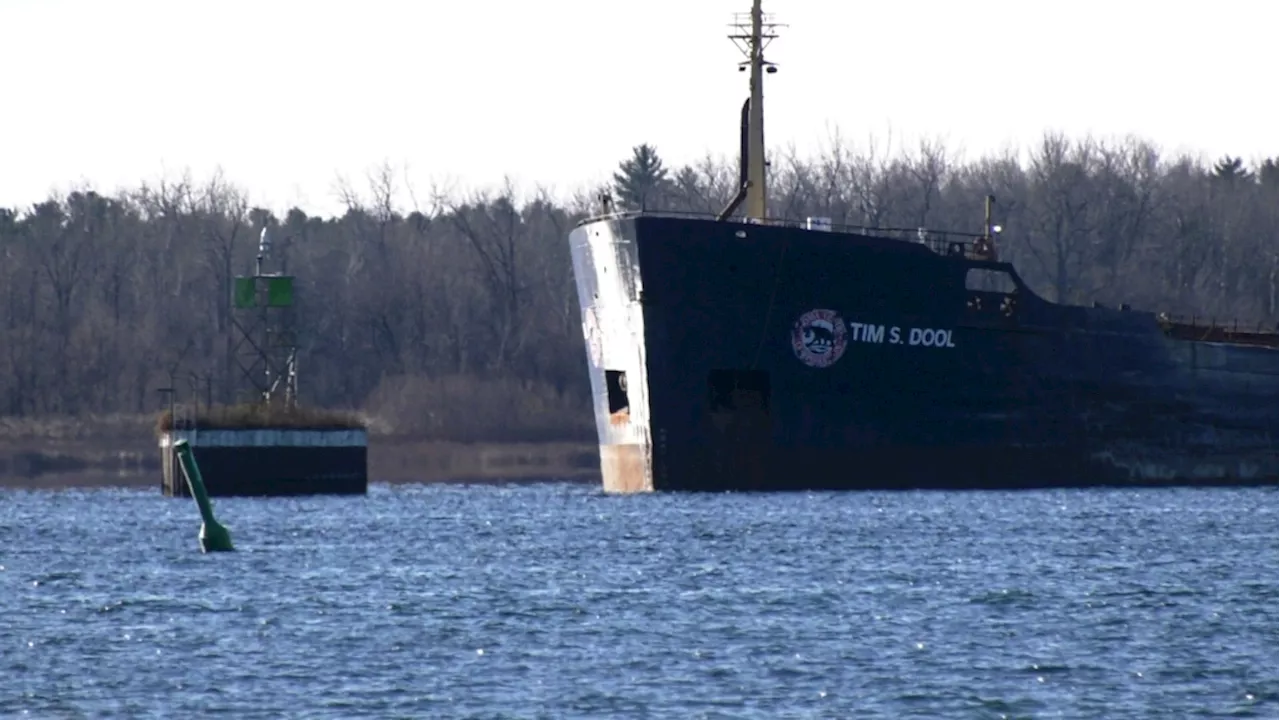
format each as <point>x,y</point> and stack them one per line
<point>625,468</point>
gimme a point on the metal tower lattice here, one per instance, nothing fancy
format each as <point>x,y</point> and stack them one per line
<point>265,321</point>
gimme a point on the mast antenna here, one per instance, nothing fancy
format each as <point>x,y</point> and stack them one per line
<point>752,33</point>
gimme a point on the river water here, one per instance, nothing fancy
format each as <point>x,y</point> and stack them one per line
<point>558,601</point>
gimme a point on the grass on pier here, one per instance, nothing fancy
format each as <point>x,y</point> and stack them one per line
<point>259,415</point>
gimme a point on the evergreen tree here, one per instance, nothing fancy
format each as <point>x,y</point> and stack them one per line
<point>8,223</point>
<point>641,180</point>
<point>1231,169</point>
<point>1269,174</point>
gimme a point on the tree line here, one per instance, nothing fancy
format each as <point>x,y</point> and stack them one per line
<point>459,320</point>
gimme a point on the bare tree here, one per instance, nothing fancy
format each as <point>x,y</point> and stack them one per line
<point>1061,228</point>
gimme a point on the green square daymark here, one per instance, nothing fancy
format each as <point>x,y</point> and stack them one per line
<point>243,297</point>
<point>280,291</point>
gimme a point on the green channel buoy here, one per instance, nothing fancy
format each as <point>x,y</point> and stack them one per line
<point>213,536</point>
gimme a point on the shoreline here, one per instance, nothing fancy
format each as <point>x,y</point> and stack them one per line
<point>65,463</point>
<point>94,482</point>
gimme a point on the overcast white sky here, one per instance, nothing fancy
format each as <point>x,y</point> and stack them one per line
<point>285,95</point>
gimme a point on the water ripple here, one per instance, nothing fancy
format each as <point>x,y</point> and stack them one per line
<point>556,601</point>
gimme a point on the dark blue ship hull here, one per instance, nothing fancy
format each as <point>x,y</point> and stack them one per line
<point>735,356</point>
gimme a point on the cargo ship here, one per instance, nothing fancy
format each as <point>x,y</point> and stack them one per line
<point>750,353</point>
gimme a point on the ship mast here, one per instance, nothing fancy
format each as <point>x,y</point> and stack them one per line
<point>752,35</point>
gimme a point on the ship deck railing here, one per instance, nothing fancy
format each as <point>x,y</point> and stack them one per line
<point>970,245</point>
<point>1198,328</point>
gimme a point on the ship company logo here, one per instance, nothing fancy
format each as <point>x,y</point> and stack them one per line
<point>818,338</point>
